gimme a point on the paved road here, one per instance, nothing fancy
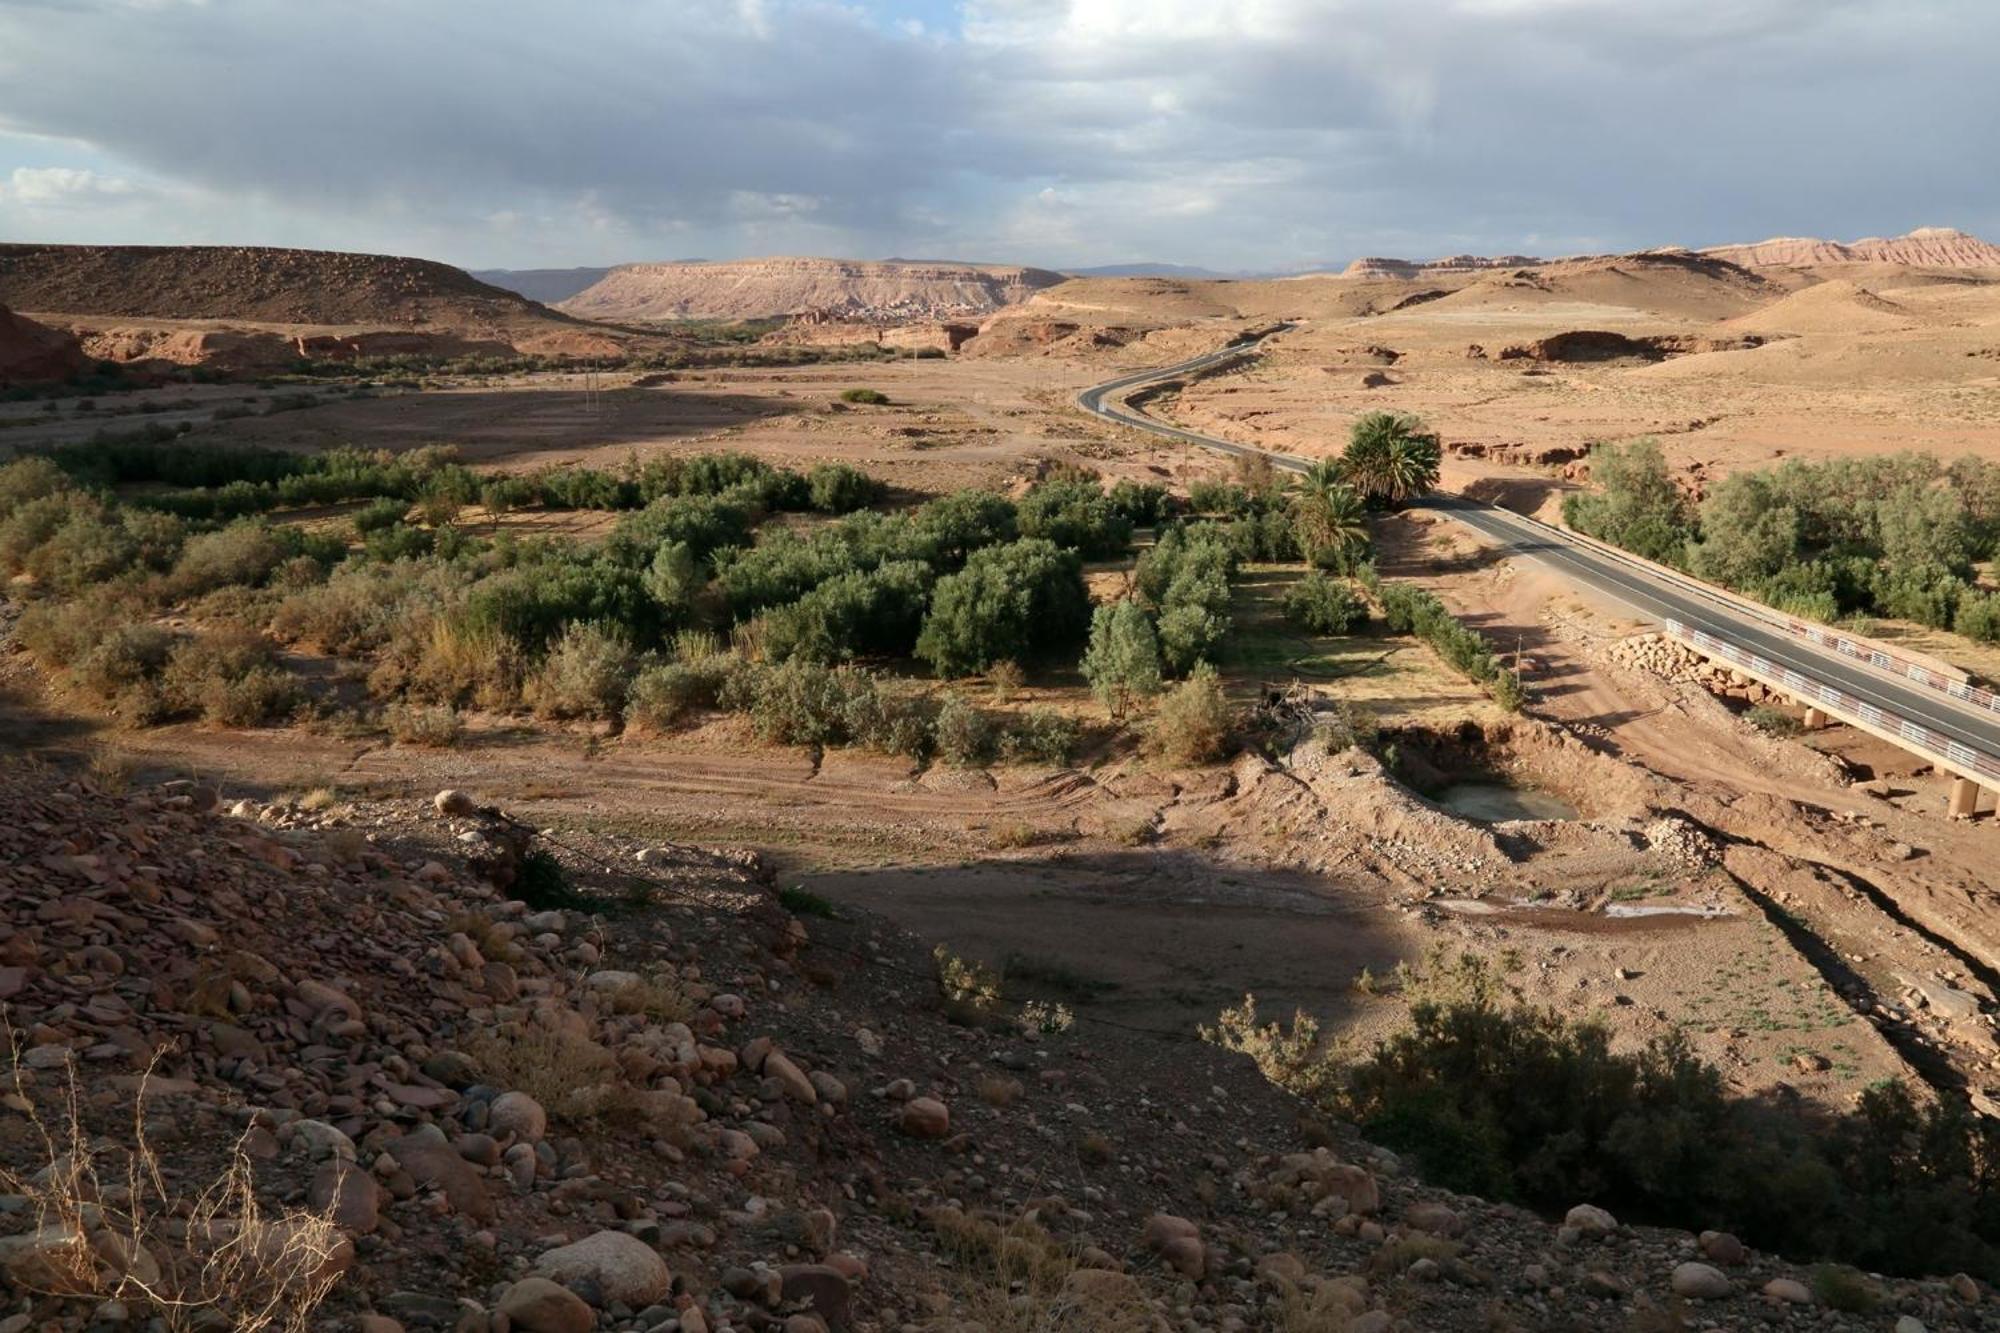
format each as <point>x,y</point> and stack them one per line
<point>1647,591</point>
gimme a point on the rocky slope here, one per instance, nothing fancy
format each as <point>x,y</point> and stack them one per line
<point>678,1107</point>
<point>163,302</point>
<point>32,353</point>
<point>1926,247</point>
<point>247,283</point>
<point>767,288</point>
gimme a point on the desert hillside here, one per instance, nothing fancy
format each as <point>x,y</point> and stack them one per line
<point>247,282</point>
<point>1926,247</point>
<point>248,307</point>
<point>764,288</point>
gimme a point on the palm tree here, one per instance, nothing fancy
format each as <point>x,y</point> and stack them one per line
<point>1391,458</point>
<point>1328,515</point>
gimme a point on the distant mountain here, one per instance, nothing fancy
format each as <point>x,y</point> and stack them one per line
<point>1926,247</point>
<point>897,289</point>
<point>547,285</point>
<point>1149,271</point>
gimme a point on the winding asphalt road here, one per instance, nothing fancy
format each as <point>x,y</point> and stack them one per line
<point>1647,590</point>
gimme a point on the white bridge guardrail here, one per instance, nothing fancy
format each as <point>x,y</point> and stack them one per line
<point>1930,742</point>
<point>1831,640</point>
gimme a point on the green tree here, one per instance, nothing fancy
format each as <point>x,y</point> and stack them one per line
<point>1634,503</point>
<point>1391,457</point>
<point>1122,662</point>
<point>1009,603</point>
<point>1329,517</point>
<point>1748,532</point>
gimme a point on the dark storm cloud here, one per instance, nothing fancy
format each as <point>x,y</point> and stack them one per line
<point>1253,133</point>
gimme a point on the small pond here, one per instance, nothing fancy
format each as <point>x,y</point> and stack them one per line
<point>1496,802</point>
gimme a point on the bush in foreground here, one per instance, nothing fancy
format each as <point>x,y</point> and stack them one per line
<point>1494,1096</point>
<point>1193,720</point>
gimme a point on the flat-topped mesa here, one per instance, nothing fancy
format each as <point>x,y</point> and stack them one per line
<point>783,286</point>
<point>1926,247</point>
<point>1379,267</point>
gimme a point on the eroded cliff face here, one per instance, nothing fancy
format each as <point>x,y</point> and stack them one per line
<point>765,288</point>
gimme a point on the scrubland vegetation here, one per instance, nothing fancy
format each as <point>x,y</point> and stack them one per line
<point>1898,536</point>
<point>170,578</point>
<point>1493,1096</point>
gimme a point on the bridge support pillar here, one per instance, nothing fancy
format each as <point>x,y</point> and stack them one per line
<point>1815,719</point>
<point>1964,798</point>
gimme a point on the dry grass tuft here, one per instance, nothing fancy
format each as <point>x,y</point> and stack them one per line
<point>1020,1279</point>
<point>574,1078</point>
<point>112,1227</point>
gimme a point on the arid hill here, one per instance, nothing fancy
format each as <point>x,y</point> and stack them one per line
<point>172,302</point>
<point>249,283</point>
<point>32,353</point>
<point>1926,247</point>
<point>766,288</point>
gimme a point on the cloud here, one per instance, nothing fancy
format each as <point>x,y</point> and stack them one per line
<point>1258,133</point>
<point>62,186</point>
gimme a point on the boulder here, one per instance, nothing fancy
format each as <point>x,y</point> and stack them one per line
<point>432,1162</point>
<point>518,1114</point>
<point>1590,1220</point>
<point>797,1086</point>
<point>822,1288</point>
<point>537,1305</point>
<point>625,1269</point>
<point>1699,1282</point>
<point>451,801</point>
<point>924,1118</point>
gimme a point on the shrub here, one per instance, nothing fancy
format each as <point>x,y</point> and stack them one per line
<point>879,611</point>
<point>662,696</point>
<point>1142,504</point>
<point>1772,721</point>
<point>1978,617</point>
<point>26,479</point>
<point>962,734</point>
<point>584,675</point>
<point>1075,514</point>
<point>231,678</point>
<point>837,488</point>
<point>124,658</point>
<point>1009,603</point>
<point>804,703</point>
<point>503,494</point>
<point>379,514</point>
<point>1320,605</point>
<point>450,660</point>
<point>871,397</point>
<point>1038,736</point>
<point>244,553</point>
<point>1491,1095</point>
<point>1192,721</point>
<point>432,727</point>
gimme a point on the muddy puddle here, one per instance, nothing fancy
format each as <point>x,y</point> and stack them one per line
<point>1615,919</point>
<point>1499,802</point>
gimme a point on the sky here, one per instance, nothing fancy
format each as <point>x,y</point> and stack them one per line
<point>1240,135</point>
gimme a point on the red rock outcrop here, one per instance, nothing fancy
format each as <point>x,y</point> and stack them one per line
<point>32,353</point>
